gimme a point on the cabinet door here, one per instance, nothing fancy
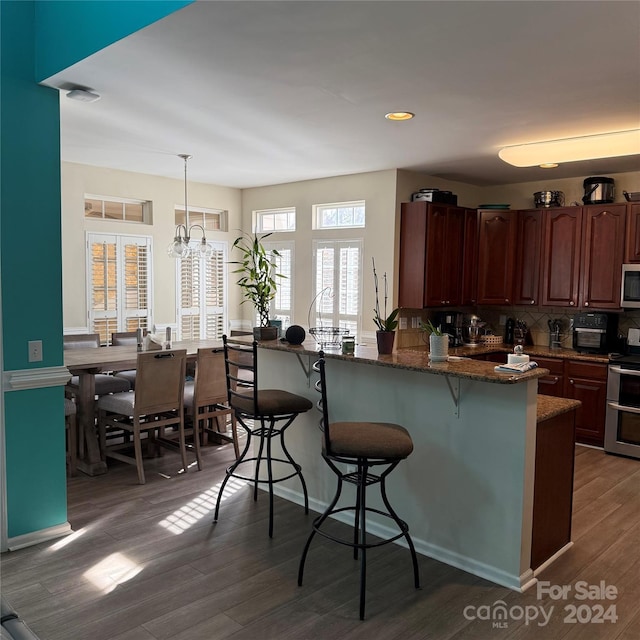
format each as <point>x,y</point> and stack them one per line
<point>587,382</point>
<point>435,277</point>
<point>562,235</point>
<point>553,384</point>
<point>413,253</point>
<point>632,252</point>
<point>497,233</point>
<point>528,249</point>
<point>470,258</point>
<point>453,256</point>
<point>603,232</point>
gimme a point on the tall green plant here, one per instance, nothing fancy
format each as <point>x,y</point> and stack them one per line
<point>258,273</point>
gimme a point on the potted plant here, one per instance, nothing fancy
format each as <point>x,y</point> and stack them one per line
<point>386,324</point>
<point>438,341</point>
<point>257,269</point>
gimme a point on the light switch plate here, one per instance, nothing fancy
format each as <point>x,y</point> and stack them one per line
<point>35,350</point>
<point>403,323</point>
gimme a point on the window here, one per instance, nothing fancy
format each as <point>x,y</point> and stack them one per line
<point>119,289</point>
<point>266,220</point>
<point>201,293</point>
<point>208,219</point>
<point>338,284</point>
<point>339,215</point>
<point>123,209</point>
<point>282,304</point>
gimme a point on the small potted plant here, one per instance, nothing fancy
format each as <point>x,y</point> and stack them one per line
<point>257,269</point>
<point>438,341</point>
<point>386,324</point>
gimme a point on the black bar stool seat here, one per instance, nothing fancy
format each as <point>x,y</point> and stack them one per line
<point>369,447</point>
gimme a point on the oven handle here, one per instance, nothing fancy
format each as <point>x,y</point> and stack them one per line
<point>620,407</point>
<point>626,372</point>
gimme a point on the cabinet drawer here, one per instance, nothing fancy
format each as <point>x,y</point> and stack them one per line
<point>555,365</point>
<point>592,370</point>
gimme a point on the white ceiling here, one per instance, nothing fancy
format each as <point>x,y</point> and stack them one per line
<point>270,92</point>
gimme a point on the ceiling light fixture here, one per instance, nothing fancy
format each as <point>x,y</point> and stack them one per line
<point>83,95</point>
<point>399,116</point>
<point>180,248</point>
<point>553,152</point>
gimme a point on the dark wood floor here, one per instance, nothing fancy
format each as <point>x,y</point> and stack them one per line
<point>146,563</point>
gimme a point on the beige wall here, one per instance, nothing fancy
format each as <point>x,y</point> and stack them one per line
<point>165,194</point>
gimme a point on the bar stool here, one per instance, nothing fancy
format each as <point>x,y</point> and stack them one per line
<point>263,413</point>
<point>363,445</point>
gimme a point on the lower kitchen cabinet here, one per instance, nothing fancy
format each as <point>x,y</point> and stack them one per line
<point>553,384</point>
<point>587,382</point>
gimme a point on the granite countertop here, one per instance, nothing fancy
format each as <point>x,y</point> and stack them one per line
<point>531,350</point>
<point>550,407</point>
<point>413,360</point>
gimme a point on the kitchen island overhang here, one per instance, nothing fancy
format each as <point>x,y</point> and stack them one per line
<point>466,491</point>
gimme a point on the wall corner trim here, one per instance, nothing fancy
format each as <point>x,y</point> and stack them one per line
<point>22,379</point>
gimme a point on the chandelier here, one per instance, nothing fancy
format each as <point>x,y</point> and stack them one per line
<point>180,248</point>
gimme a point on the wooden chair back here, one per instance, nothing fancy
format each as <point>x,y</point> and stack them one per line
<point>210,379</point>
<point>82,341</point>
<point>160,381</point>
<point>124,338</point>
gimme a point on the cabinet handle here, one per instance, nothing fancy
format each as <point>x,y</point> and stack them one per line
<point>556,379</point>
<point>570,381</point>
<point>586,304</point>
<point>571,303</point>
<point>532,302</point>
<point>506,299</point>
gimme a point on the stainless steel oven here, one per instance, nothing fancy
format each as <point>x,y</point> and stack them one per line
<point>622,425</point>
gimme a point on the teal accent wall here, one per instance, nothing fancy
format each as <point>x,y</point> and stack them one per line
<point>35,444</point>
<point>68,31</point>
<point>31,277</point>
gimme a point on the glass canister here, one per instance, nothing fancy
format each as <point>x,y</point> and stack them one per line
<point>348,345</point>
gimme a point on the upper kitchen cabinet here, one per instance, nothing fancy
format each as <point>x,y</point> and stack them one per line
<point>496,245</point>
<point>527,257</point>
<point>632,250</point>
<point>470,258</point>
<point>431,247</point>
<point>582,252</point>
<point>601,278</point>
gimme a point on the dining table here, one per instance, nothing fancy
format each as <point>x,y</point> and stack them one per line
<point>86,363</point>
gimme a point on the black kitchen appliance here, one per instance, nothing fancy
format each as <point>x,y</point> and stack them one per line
<point>451,323</point>
<point>595,332</point>
<point>435,195</point>
<point>598,190</point>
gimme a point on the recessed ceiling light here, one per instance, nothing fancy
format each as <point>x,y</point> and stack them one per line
<point>549,152</point>
<point>83,95</point>
<point>548,165</point>
<point>399,115</point>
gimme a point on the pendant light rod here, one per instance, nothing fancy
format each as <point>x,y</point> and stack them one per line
<point>185,157</point>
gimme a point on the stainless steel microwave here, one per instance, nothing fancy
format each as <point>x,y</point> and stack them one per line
<point>630,294</point>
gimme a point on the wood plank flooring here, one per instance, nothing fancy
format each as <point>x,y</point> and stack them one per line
<point>146,563</point>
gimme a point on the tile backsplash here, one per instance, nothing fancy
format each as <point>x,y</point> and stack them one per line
<point>536,319</point>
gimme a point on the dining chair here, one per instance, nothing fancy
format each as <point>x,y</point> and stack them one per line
<point>129,339</point>
<point>71,428</point>
<point>156,404</point>
<point>359,448</point>
<point>264,414</point>
<point>205,401</point>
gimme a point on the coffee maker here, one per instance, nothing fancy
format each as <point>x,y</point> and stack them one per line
<point>451,323</point>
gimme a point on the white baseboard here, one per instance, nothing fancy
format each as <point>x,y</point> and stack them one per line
<point>36,537</point>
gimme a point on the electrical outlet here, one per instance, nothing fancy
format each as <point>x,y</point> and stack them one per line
<point>35,350</point>
<point>503,320</point>
<point>403,323</point>
<point>415,322</point>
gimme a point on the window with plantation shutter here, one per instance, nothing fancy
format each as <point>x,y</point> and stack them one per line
<point>201,294</point>
<point>338,284</point>
<point>119,283</point>
<point>282,304</point>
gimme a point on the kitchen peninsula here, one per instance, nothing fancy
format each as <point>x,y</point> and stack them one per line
<point>467,490</point>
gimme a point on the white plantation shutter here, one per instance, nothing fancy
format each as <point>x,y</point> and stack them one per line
<point>282,304</point>
<point>119,283</point>
<point>338,275</point>
<point>201,294</point>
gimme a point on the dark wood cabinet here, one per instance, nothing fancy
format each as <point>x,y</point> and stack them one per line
<point>470,258</point>
<point>431,255</point>
<point>601,274</point>
<point>496,245</point>
<point>582,255</point>
<point>632,249</point>
<point>527,257</point>
<point>587,382</point>
<point>561,253</point>
<point>553,384</point>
